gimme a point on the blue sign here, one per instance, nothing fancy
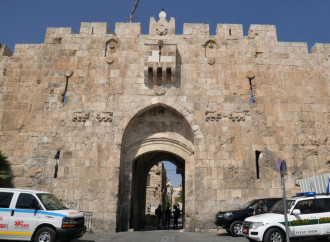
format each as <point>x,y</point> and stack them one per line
<point>278,165</point>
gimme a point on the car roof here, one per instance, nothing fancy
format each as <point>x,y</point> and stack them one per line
<point>308,197</point>
<point>20,190</point>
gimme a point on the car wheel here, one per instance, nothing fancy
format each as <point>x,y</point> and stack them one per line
<point>45,234</point>
<point>274,235</point>
<point>235,228</point>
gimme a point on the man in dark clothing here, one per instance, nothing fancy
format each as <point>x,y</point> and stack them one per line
<point>159,215</point>
<point>176,217</point>
<point>167,217</point>
<point>259,208</point>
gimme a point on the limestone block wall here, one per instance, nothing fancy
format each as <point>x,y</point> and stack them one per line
<point>248,99</point>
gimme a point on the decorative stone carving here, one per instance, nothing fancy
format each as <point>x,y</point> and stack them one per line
<point>250,75</point>
<point>110,60</point>
<point>213,116</point>
<point>104,117</point>
<point>68,74</point>
<point>161,30</point>
<point>211,61</point>
<point>159,90</point>
<point>80,117</point>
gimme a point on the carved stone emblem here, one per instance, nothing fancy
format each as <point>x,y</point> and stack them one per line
<point>110,60</point>
<point>161,30</point>
<point>159,90</point>
<point>80,117</point>
<point>104,117</point>
<point>211,61</point>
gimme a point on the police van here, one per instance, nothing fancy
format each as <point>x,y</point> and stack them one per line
<point>308,216</point>
<point>37,216</point>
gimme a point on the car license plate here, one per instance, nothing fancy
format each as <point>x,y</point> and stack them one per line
<point>245,231</point>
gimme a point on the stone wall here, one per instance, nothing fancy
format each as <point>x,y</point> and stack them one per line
<point>245,98</point>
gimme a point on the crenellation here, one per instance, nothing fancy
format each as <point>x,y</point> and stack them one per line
<point>128,29</point>
<point>196,29</point>
<point>96,28</point>
<point>229,31</point>
<point>266,31</point>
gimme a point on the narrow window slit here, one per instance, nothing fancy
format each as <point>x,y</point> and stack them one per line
<point>168,74</point>
<point>150,74</point>
<point>229,31</point>
<point>159,76</point>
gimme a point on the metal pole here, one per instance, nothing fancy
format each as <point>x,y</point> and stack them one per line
<point>285,208</point>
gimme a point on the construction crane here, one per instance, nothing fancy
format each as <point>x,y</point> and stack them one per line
<point>134,8</point>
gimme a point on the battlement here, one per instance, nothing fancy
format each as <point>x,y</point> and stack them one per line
<point>97,28</point>
<point>4,50</point>
<point>128,28</point>
<point>192,29</point>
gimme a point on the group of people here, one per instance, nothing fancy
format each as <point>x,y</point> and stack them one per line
<point>168,216</point>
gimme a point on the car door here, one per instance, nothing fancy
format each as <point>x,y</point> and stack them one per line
<point>307,222</point>
<point>323,207</point>
<point>5,201</point>
<point>23,217</point>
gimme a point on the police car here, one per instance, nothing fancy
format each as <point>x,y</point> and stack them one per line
<point>308,216</point>
<point>37,216</point>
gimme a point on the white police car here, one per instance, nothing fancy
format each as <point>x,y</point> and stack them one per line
<point>308,216</point>
<point>38,216</point>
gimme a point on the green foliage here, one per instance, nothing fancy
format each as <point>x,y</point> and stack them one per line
<point>4,171</point>
<point>179,198</point>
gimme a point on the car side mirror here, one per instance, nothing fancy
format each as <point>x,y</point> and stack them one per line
<point>296,212</point>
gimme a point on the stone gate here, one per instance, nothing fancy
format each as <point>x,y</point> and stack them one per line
<point>221,107</point>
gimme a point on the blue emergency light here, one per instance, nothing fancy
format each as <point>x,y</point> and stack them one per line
<point>300,194</point>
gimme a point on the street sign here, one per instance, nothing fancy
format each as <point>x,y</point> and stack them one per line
<point>278,165</point>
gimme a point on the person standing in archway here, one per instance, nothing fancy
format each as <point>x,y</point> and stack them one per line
<point>159,215</point>
<point>167,217</point>
<point>176,216</point>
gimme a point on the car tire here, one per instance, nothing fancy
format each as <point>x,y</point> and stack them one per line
<point>235,228</point>
<point>274,235</point>
<point>45,234</point>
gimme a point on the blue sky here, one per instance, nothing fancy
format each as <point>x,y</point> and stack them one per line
<point>23,21</point>
<point>171,173</point>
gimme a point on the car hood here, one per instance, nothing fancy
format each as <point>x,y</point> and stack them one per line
<point>266,218</point>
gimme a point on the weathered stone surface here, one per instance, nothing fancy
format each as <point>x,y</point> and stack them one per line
<point>223,108</point>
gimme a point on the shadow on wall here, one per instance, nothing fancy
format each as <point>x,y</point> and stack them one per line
<point>5,172</point>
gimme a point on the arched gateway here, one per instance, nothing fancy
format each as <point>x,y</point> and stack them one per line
<point>157,133</point>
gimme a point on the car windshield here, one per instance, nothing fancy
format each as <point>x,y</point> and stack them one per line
<point>279,206</point>
<point>50,201</point>
<point>248,204</point>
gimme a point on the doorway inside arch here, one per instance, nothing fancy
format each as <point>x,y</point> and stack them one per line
<point>152,185</point>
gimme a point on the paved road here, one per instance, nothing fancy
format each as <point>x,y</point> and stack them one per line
<point>159,236</point>
<point>166,236</point>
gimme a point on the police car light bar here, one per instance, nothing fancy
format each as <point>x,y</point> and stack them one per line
<point>299,194</point>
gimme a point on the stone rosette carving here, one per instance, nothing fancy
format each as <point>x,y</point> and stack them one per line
<point>161,30</point>
<point>159,90</point>
<point>80,117</point>
<point>211,61</point>
<point>104,117</point>
<point>110,60</point>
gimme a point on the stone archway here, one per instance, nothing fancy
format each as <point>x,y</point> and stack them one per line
<point>141,168</point>
<point>157,132</point>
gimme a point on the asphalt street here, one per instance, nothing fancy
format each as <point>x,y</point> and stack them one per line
<point>167,236</point>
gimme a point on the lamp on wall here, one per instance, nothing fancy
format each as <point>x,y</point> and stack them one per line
<point>57,159</point>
